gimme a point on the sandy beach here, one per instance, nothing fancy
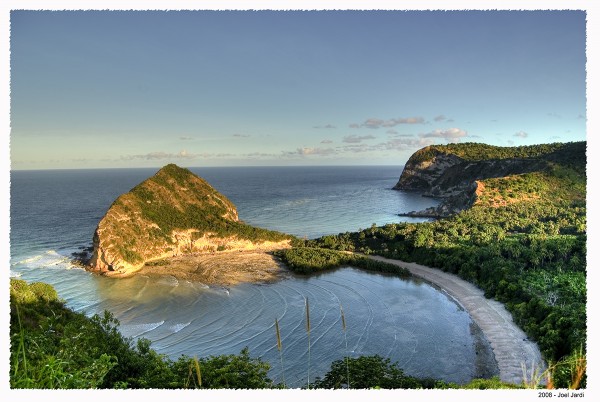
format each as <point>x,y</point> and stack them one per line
<point>223,268</point>
<point>512,349</point>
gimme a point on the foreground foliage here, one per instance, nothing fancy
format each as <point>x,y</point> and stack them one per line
<point>53,347</point>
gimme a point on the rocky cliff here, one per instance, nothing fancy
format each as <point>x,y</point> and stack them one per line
<point>170,214</point>
<point>453,172</point>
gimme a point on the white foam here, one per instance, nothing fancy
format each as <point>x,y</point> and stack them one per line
<point>140,329</point>
<point>169,280</point>
<point>178,327</point>
<point>29,260</point>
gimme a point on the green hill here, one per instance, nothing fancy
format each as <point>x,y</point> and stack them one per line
<point>171,213</point>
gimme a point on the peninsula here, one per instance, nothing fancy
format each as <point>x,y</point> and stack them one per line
<point>175,214</point>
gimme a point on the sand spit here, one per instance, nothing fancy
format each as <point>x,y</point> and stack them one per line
<point>223,268</point>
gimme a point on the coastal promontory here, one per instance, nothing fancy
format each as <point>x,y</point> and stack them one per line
<point>456,173</point>
<point>172,214</point>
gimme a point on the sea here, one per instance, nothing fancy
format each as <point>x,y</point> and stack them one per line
<point>53,214</point>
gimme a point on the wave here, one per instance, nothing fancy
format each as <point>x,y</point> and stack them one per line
<point>169,280</point>
<point>178,327</point>
<point>49,258</point>
<point>29,260</point>
<point>136,330</point>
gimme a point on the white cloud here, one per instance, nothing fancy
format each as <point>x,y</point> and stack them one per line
<point>450,135</point>
<point>355,139</point>
<point>314,151</point>
<point>377,123</point>
<point>521,134</point>
<point>161,155</point>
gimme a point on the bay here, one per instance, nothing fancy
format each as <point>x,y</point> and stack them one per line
<point>54,213</point>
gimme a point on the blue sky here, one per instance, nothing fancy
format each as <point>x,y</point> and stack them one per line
<point>95,89</point>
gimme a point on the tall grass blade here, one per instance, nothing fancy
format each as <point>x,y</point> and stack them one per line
<point>308,332</point>
<point>280,348</point>
<point>578,366</point>
<point>346,342</point>
<point>198,373</point>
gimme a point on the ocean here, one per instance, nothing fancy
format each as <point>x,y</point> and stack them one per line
<point>53,214</point>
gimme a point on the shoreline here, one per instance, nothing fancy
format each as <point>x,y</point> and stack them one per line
<point>512,349</point>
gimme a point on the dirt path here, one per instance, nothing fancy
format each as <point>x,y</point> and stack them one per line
<point>512,349</point>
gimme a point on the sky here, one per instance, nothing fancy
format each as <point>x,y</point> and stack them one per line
<point>104,89</point>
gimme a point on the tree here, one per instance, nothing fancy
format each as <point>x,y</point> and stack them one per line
<point>367,372</point>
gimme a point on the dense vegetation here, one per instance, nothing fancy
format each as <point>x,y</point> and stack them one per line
<point>54,347</point>
<point>523,243</point>
<point>472,151</point>
<point>210,212</point>
<point>308,260</point>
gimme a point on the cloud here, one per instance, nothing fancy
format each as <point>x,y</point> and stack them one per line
<point>313,151</point>
<point>521,134</point>
<point>185,138</point>
<point>326,142</point>
<point>581,117</point>
<point>450,135</point>
<point>328,126</point>
<point>401,143</point>
<point>553,114</point>
<point>391,131</point>
<point>241,135</point>
<point>354,139</point>
<point>405,142</point>
<point>160,155</point>
<point>440,117</point>
<point>378,123</point>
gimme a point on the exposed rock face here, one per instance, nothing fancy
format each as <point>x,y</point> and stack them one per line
<point>435,172</point>
<point>172,213</point>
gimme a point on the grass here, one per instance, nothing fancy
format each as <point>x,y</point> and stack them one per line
<point>574,368</point>
<point>308,333</point>
<point>280,349</point>
<point>346,343</point>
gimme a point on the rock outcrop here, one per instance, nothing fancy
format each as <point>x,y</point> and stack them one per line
<point>170,214</point>
<point>452,173</point>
